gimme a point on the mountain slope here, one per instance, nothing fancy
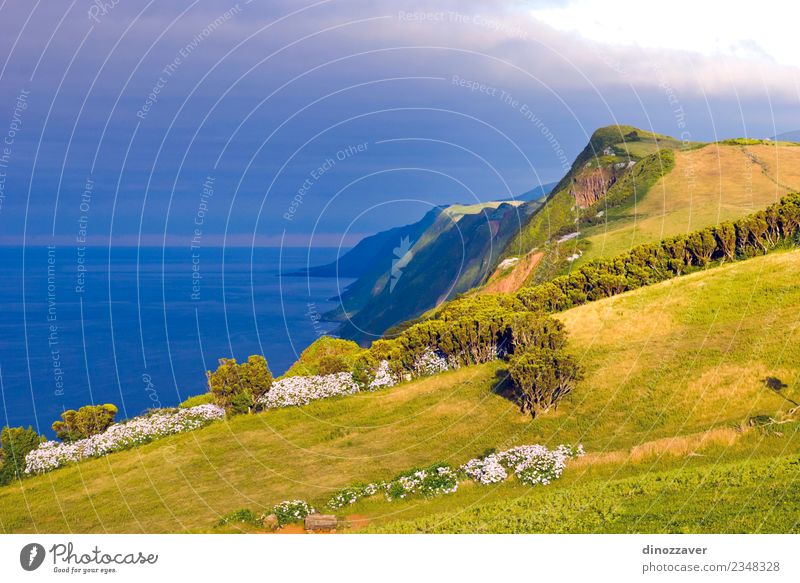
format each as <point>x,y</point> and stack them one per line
<point>454,254</point>
<point>673,370</point>
<point>367,253</point>
<point>605,205</point>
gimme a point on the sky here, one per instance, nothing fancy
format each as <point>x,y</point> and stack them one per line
<point>133,122</point>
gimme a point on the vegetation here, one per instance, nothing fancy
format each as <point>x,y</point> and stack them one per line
<point>324,356</point>
<point>543,377</point>
<point>632,186</point>
<point>238,387</point>
<point>708,186</point>
<point>16,443</point>
<point>778,225</point>
<point>673,373</point>
<point>753,496</point>
<point>86,421</point>
<point>195,400</point>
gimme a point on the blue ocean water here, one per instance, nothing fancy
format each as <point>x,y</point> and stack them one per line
<point>140,327</point>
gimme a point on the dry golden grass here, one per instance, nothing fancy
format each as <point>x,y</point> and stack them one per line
<point>708,185</point>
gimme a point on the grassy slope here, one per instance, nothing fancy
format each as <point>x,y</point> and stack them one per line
<point>682,360</point>
<point>708,185</point>
<point>672,368</point>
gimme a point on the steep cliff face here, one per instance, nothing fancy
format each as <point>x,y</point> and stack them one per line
<point>592,184</point>
<point>456,253</point>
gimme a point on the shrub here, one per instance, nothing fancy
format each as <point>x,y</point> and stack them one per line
<point>353,494</point>
<point>238,387</point>
<point>137,431</point>
<point>324,356</point>
<point>429,363</point>
<point>532,464</point>
<point>194,401</point>
<point>486,470</point>
<point>291,511</point>
<point>543,377</point>
<point>17,443</point>
<point>432,481</point>
<point>85,422</point>
<point>301,390</point>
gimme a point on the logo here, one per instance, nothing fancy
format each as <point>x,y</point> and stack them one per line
<point>402,256</point>
<point>31,556</point>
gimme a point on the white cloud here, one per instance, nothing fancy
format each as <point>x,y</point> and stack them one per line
<point>763,31</point>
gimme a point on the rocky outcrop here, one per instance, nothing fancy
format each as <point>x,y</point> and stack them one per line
<point>591,184</point>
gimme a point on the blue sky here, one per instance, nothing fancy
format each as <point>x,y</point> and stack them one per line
<point>298,122</point>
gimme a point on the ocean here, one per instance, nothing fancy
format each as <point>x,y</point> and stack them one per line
<point>139,327</point>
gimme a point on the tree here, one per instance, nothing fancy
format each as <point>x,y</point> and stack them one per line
<point>86,421</point>
<point>238,387</point>
<point>543,377</point>
<point>16,442</point>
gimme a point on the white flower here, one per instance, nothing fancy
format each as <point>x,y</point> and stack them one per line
<point>488,470</point>
<point>383,377</point>
<point>293,391</point>
<point>429,363</point>
<point>52,454</point>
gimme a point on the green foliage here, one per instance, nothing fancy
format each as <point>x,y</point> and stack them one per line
<point>241,516</point>
<point>16,443</point>
<point>195,400</point>
<point>86,421</point>
<point>237,387</point>
<point>492,329</point>
<point>750,495</point>
<point>543,377</point>
<point>291,511</point>
<point>744,142</point>
<point>634,184</point>
<point>326,355</point>
<point>555,218</point>
<point>651,263</point>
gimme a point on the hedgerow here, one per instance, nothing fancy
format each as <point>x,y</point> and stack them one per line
<point>756,234</point>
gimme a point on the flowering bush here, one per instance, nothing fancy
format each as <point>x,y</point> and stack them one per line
<point>290,511</point>
<point>52,454</point>
<point>353,494</point>
<point>532,464</point>
<point>487,470</point>
<point>429,363</point>
<point>293,391</point>
<point>383,377</point>
<point>433,481</point>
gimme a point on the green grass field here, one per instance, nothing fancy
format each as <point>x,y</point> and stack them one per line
<point>674,373</point>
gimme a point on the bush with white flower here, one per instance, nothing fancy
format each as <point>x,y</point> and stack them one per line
<point>383,377</point>
<point>137,431</point>
<point>430,363</point>
<point>487,470</point>
<point>532,464</point>
<point>294,391</point>
<point>290,511</point>
<point>353,494</point>
<point>429,482</point>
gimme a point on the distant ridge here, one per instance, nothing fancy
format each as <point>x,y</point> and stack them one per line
<point>359,260</point>
<point>793,136</point>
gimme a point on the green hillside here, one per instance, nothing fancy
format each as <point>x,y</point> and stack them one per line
<point>453,255</point>
<point>671,404</point>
